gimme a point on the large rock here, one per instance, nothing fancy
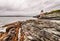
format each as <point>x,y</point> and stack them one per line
<point>31,30</point>
<point>39,30</point>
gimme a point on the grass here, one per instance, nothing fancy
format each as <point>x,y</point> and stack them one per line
<point>54,11</point>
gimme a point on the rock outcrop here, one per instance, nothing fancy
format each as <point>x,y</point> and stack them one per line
<point>55,15</point>
<point>31,30</point>
<point>41,29</point>
<point>11,33</point>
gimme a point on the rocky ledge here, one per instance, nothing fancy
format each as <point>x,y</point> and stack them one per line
<point>40,29</point>
<point>33,30</point>
<point>55,15</point>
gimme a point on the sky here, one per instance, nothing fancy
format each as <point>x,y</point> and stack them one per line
<point>27,7</point>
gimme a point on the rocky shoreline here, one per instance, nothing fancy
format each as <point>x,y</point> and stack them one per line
<point>41,30</point>
<point>46,28</point>
<point>37,30</point>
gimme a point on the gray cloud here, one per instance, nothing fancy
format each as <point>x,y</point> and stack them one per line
<point>27,7</point>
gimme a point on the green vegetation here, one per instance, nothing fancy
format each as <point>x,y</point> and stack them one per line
<point>55,14</point>
<point>55,11</point>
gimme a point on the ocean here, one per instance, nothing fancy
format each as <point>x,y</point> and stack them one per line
<point>7,20</point>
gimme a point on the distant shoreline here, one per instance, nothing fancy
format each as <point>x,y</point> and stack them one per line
<point>14,16</point>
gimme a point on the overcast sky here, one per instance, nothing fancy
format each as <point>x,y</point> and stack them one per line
<point>27,7</point>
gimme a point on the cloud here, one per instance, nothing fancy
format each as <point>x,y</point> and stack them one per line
<point>27,7</point>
